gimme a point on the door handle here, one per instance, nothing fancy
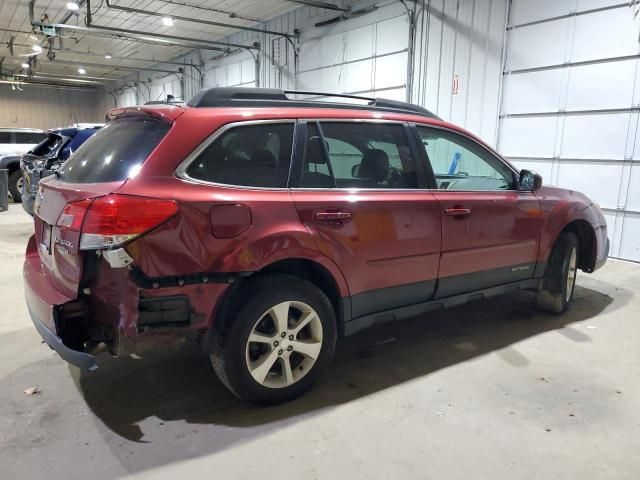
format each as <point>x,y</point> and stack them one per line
<point>336,218</point>
<point>457,212</point>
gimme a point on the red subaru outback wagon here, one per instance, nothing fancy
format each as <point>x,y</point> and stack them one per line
<point>265,226</point>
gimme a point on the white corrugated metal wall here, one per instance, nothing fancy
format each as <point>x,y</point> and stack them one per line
<point>571,104</point>
<point>368,55</point>
<point>462,39</point>
<point>50,107</point>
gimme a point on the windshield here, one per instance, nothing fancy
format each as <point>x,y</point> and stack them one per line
<point>115,152</point>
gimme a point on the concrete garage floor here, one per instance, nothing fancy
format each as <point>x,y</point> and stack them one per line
<point>492,390</point>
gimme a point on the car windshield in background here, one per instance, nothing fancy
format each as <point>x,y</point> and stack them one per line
<point>115,152</point>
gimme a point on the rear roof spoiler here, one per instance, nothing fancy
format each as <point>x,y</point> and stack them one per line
<point>164,112</point>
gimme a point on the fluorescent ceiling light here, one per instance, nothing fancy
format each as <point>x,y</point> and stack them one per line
<point>37,48</point>
<point>25,65</point>
<point>107,56</point>
<point>82,71</point>
<point>73,6</point>
<point>167,21</point>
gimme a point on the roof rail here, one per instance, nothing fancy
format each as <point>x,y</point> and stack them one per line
<point>274,97</point>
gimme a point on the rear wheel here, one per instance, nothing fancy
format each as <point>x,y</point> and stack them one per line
<point>15,185</point>
<point>278,343</point>
<point>556,290</point>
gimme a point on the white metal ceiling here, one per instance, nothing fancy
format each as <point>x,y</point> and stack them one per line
<point>78,46</point>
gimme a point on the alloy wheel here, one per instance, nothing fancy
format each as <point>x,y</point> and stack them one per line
<point>284,344</point>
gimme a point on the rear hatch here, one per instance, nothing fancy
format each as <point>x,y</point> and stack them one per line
<point>72,205</point>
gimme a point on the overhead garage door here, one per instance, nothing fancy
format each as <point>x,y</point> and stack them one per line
<point>571,101</point>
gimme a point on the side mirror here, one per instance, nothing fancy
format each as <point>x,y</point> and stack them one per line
<point>355,171</point>
<point>529,181</point>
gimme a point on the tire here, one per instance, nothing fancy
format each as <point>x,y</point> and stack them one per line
<point>14,185</point>
<point>558,283</point>
<point>256,371</point>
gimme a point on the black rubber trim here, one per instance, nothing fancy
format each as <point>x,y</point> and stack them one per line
<point>79,359</point>
<point>409,311</point>
<point>143,281</point>
<point>448,286</point>
<point>603,260</point>
<point>391,297</point>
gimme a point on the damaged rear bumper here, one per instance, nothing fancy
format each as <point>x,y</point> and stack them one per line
<point>79,359</point>
<point>42,301</point>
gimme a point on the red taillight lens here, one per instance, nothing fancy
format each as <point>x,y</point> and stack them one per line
<point>73,215</point>
<point>126,215</point>
<point>112,220</point>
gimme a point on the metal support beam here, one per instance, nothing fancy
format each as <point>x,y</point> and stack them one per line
<point>62,75</point>
<point>157,38</point>
<point>195,20</point>
<point>115,57</point>
<point>286,36</point>
<point>114,67</point>
<point>319,4</point>
<point>90,25</point>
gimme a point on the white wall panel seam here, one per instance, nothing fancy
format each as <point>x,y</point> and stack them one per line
<point>571,64</point>
<point>572,14</point>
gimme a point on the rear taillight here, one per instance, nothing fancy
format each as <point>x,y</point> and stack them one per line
<point>73,214</point>
<point>115,219</point>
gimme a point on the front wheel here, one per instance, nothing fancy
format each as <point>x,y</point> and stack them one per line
<point>279,341</point>
<point>556,289</point>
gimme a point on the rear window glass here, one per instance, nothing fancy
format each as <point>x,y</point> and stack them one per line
<point>116,152</point>
<point>48,146</point>
<point>5,137</point>
<point>251,156</point>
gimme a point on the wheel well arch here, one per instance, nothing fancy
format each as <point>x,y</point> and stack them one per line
<point>306,269</point>
<point>312,272</point>
<point>586,243</point>
<point>12,164</point>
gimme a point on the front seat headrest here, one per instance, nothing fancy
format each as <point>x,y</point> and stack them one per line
<point>374,165</point>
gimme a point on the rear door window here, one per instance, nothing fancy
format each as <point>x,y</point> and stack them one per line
<point>116,152</point>
<point>252,156</point>
<point>358,155</point>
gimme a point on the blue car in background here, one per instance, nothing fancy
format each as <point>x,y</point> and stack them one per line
<point>44,159</point>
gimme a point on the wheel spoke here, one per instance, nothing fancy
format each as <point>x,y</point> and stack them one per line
<point>280,315</point>
<point>304,321</point>
<point>308,349</point>
<point>258,337</point>
<point>571,274</point>
<point>287,374</point>
<point>261,370</point>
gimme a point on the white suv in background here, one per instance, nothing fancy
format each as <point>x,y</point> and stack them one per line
<point>15,142</point>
